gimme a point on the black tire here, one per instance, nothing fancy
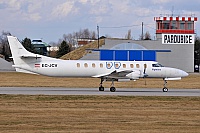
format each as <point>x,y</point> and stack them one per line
<point>101,88</point>
<point>112,89</point>
<point>165,89</point>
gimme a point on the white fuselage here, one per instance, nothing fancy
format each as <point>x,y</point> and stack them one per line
<point>26,61</point>
<point>94,68</point>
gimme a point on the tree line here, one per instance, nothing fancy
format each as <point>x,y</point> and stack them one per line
<point>4,46</point>
<point>64,48</point>
<point>64,44</point>
<point>67,40</point>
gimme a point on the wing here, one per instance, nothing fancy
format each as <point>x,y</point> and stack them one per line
<point>120,74</point>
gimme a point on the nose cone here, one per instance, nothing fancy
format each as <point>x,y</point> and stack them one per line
<point>180,73</point>
<point>184,74</point>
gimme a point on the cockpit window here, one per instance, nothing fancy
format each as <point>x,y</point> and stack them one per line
<point>157,65</point>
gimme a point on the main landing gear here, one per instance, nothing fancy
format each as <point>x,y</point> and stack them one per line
<point>165,89</point>
<point>101,88</point>
<point>112,88</point>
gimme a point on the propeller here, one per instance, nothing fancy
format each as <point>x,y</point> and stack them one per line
<point>144,74</point>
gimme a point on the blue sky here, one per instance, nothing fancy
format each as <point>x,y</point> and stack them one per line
<point>50,19</point>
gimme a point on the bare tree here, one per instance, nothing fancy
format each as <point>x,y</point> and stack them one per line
<point>76,35</point>
<point>53,44</point>
<point>93,35</point>
<point>5,49</point>
<point>147,36</point>
<point>82,33</point>
<point>68,38</point>
<point>86,33</point>
<point>128,35</point>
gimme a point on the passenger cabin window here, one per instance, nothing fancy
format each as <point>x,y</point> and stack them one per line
<point>108,65</point>
<point>131,66</point>
<point>78,65</point>
<point>85,65</point>
<point>124,65</point>
<point>116,65</point>
<point>138,65</point>
<point>101,65</point>
<point>145,65</point>
<point>93,65</point>
<point>157,65</point>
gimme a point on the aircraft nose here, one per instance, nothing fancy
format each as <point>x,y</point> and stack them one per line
<point>184,74</point>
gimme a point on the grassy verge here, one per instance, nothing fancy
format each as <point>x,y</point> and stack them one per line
<point>27,80</point>
<point>19,113</point>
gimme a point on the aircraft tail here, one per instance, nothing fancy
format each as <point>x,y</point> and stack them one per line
<point>20,55</point>
<point>18,51</point>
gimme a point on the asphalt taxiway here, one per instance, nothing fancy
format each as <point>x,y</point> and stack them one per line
<point>94,91</point>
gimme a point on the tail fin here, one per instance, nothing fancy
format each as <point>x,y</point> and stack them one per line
<point>21,57</point>
<point>19,52</point>
<point>24,61</point>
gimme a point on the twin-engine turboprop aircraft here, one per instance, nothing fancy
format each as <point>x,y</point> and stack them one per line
<point>28,62</point>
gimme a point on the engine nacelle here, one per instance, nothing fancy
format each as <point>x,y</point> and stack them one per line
<point>123,80</point>
<point>134,75</point>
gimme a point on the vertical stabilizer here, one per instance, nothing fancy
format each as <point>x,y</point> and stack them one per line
<point>17,50</point>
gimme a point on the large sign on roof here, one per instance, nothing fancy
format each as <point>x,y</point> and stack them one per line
<point>178,38</point>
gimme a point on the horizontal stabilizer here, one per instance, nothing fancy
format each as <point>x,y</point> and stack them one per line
<point>31,56</point>
<point>24,71</point>
<point>18,68</point>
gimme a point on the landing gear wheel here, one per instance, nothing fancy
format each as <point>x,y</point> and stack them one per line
<point>101,88</point>
<point>112,89</point>
<point>165,89</point>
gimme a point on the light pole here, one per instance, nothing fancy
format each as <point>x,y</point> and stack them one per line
<point>98,35</point>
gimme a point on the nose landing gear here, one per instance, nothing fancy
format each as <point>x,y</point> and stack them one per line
<point>165,89</point>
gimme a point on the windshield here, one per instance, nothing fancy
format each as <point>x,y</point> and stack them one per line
<point>157,65</point>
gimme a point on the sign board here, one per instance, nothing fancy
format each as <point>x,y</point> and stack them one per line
<point>178,38</point>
